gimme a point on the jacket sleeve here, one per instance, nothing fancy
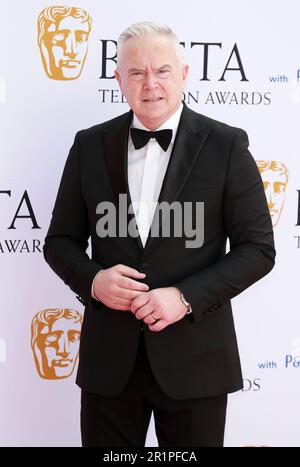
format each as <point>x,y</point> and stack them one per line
<point>249,229</point>
<point>67,238</point>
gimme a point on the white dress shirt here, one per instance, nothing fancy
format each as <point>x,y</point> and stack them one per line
<point>146,171</point>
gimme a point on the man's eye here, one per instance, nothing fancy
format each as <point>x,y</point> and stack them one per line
<point>136,75</point>
<point>164,72</point>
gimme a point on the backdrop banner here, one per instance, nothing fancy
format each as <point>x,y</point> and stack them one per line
<point>245,71</point>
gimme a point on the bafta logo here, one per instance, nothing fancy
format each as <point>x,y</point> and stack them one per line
<point>275,179</point>
<point>55,335</point>
<point>63,34</point>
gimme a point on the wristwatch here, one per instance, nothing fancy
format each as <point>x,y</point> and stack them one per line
<point>183,299</point>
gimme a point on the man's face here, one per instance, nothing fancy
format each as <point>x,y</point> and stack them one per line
<point>65,48</point>
<point>152,78</point>
<point>275,186</point>
<point>58,345</point>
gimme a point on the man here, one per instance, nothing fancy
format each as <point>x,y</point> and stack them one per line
<point>55,335</point>
<point>158,333</point>
<point>63,34</point>
<point>275,179</point>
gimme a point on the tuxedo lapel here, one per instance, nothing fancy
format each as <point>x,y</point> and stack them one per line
<point>116,156</point>
<point>115,152</point>
<point>190,138</point>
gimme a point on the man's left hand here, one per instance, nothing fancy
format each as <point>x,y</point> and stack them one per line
<point>163,305</point>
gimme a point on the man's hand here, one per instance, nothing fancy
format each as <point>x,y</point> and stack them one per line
<point>164,303</point>
<point>116,287</point>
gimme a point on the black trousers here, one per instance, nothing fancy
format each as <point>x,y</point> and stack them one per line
<point>123,420</point>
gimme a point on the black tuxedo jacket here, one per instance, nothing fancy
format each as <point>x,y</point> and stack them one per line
<point>198,355</point>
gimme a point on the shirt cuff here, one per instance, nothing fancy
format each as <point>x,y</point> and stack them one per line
<point>92,289</point>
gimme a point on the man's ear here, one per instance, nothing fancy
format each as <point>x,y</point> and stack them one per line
<point>185,71</point>
<point>118,78</point>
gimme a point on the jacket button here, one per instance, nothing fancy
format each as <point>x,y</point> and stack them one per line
<point>144,266</point>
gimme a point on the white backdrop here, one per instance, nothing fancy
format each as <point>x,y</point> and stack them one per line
<point>39,118</point>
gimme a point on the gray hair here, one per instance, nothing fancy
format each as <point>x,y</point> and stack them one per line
<point>146,29</point>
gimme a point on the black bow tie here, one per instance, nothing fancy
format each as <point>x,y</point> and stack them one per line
<point>141,137</point>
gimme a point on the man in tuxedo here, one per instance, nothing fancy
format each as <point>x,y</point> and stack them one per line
<point>158,333</point>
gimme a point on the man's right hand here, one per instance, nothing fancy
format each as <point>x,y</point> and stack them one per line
<point>116,287</point>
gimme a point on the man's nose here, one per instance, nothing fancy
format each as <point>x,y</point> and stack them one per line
<point>71,45</point>
<point>150,81</point>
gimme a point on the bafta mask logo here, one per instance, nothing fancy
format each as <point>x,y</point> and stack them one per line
<point>55,335</point>
<point>275,179</point>
<point>63,34</point>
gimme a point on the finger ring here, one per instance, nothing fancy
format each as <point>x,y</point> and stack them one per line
<point>153,316</point>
